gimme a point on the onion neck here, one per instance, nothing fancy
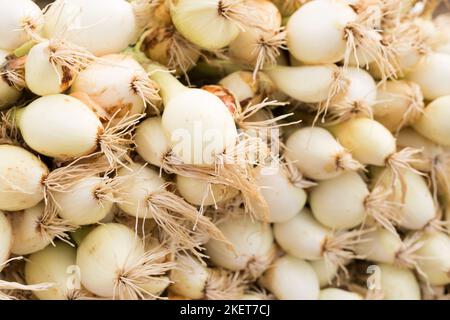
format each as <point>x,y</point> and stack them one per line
<point>170,86</point>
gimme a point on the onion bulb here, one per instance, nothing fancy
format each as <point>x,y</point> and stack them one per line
<point>356,99</point>
<point>383,246</point>
<point>87,201</point>
<point>396,283</point>
<point>252,247</point>
<point>202,193</point>
<point>284,198</point>
<point>248,89</point>
<point>259,47</point>
<point>151,142</point>
<point>10,81</point>
<point>119,85</point>
<point>21,175</point>
<point>317,154</point>
<point>316,241</point>
<point>146,196</point>
<point>21,21</point>
<point>192,116</point>
<point>417,206</point>
<point>311,84</point>
<point>432,74</point>
<point>290,278</point>
<point>194,280</point>
<point>430,155</point>
<point>57,265</point>
<point>371,143</point>
<point>212,24</point>
<point>35,228</point>
<point>367,140</point>
<point>114,263</point>
<point>6,239</point>
<point>329,31</point>
<point>400,103</point>
<point>165,45</point>
<point>432,123</point>
<point>325,271</point>
<point>434,258</point>
<point>64,128</point>
<point>338,294</point>
<point>346,202</point>
<point>102,27</point>
<point>59,61</point>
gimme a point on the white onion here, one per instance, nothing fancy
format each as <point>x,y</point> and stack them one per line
<point>432,124</point>
<point>211,24</point>
<point>359,96</point>
<point>317,154</point>
<point>20,20</point>
<point>305,238</point>
<point>102,26</point>
<point>59,61</point>
<point>193,280</point>
<point>151,142</point>
<point>64,128</point>
<point>398,283</point>
<point>88,201</point>
<point>380,245</point>
<point>367,140</point>
<point>8,92</point>
<point>252,247</point>
<point>35,228</point>
<point>284,198</point>
<point>114,263</point>
<point>290,278</point>
<point>190,279</point>
<point>434,258</point>
<point>165,45</point>
<point>60,126</point>
<point>192,116</point>
<point>408,137</point>
<point>22,174</point>
<point>316,31</point>
<point>202,193</point>
<point>417,205</point>
<point>118,84</point>
<point>306,83</point>
<point>57,265</point>
<point>6,239</point>
<point>246,88</point>
<point>146,196</point>
<point>259,47</point>
<point>432,74</point>
<point>325,271</point>
<point>400,103</point>
<point>338,294</point>
<point>346,202</point>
